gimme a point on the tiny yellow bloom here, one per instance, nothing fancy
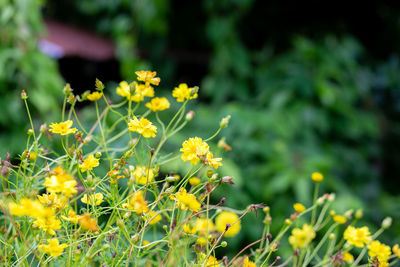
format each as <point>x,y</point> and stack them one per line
<point>62,128</point>
<point>317,177</point>
<point>301,237</point>
<point>357,236</point>
<point>139,174</point>
<point>48,223</point>
<point>340,219</point>
<point>188,229</point>
<point>88,223</point>
<point>201,241</point>
<point>143,127</point>
<point>94,96</point>
<point>381,251</point>
<point>298,207</point>
<point>210,262</point>
<point>212,162</point>
<point>248,263</point>
<point>53,247</point>
<point>32,155</point>
<point>71,217</point>
<point>60,182</point>
<point>396,250</point>
<point>183,92</point>
<point>89,163</point>
<point>194,181</point>
<point>193,149</point>
<point>158,104</point>
<point>148,77</point>
<point>137,203</point>
<point>95,199</point>
<point>145,243</point>
<point>204,226</point>
<point>53,200</point>
<point>153,217</point>
<point>187,201</point>
<point>227,217</point>
<point>347,257</point>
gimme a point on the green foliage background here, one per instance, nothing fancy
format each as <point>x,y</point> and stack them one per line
<point>315,105</point>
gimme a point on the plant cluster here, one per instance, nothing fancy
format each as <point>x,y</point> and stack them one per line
<point>93,202</point>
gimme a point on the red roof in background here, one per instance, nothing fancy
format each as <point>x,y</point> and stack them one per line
<point>66,40</point>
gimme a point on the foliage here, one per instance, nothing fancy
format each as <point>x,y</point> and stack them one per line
<point>78,197</point>
<point>23,66</point>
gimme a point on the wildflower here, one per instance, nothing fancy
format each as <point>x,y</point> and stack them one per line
<point>32,155</point>
<point>145,243</point>
<point>60,182</point>
<point>143,127</point>
<point>357,236</point>
<point>88,223</point>
<point>94,96</point>
<point>140,91</point>
<point>317,177</point>
<point>213,162</point>
<point>140,175</point>
<point>26,207</point>
<point>158,104</point>
<point>71,217</point>
<point>339,219</point>
<point>124,89</point>
<point>194,181</point>
<point>62,128</point>
<point>347,257</point>
<point>48,222</point>
<point>193,149</point>
<point>396,250</point>
<point>153,217</point>
<point>300,238</point>
<point>201,241</point>
<point>298,207</point>
<point>248,263</point>
<point>137,203</point>
<point>203,226</point>
<point>227,217</point>
<point>53,200</point>
<point>53,247</point>
<point>210,262</point>
<point>188,229</point>
<point>95,199</point>
<point>380,251</point>
<point>186,201</point>
<point>183,92</point>
<point>148,77</point>
<point>89,163</point>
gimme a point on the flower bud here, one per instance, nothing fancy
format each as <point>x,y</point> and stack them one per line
<point>225,121</point>
<point>194,90</point>
<point>67,89</point>
<point>331,236</point>
<point>320,201</point>
<point>127,215</point>
<point>288,221</point>
<point>331,197</point>
<point>30,132</point>
<point>99,85</point>
<point>210,173</point>
<point>359,214</point>
<point>87,140</point>
<point>349,213</point>
<point>387,222</point>
<point>135,238</point>
<point>98,155</point>
<point>189,116</point>
<point>224,244</point>
<point>266,209</point>
<point>24,96</point>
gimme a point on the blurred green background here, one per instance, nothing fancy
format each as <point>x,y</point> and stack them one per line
<point>310,86</point>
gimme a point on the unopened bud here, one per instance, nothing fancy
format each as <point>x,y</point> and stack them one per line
<point>24,96</point>
<point>67,89</point>
<point>98,155</point>
<point>225,121</point>
<point>30,132</point>
<point>135,238</point>
<point>224,244</point>
<point>87,140</point>
<point>331,197</point>
<point>266,209</point>
<point>189,116</point>
<point>320,201</point>
<point>194,90</point>
<point>71,98</point>
<point>99,85</point>
<point>209,173</point>
<point>387,222</point>
<point>359,214</point>
<point>288,222</point>
<point>173,178</point>
<point>127,215</point>
<point>349,213</point>
<point>331,236</point>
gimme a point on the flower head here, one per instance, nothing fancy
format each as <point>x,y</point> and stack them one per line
<point>143,127</point>
<point>137,94</point>
<point>227,217</point>
<point>158,104</point>
<point>213,162</point>
<point>301,237</point>
<point>347,257</point>
<point>137,203</point>
<point>53,247</point>
<point>248,263</point>
<point>71,217</point>
<point>381,251</point>
<point>53,200</point>
<point>153,217</point>
<point>298,207</point>
<point>94,96</point>
<point>203,226</point>
<point>148,77</point>
<point>60,182</point>
<point>95,199</point>
<point>357,236</point>
<point>62,128</point>
<point>183,92</point>
<point>88,223</point>
<point>317,177</point>
<point>139,174</point>
<point>186,201</point>
<point>194,181</point>
<point>339,219</point>
<point>210,262</point>
<point>396,250</point>
<point>193,149</point>
<point>89,163</point>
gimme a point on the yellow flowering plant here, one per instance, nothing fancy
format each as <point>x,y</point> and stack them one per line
<point>104,193</point>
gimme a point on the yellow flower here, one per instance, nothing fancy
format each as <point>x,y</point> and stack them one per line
<point>60,182</point>
<point>210,262</point>
<point>298,207</point>
<point>124,89</point>
<point>201,241</point>
<point>193,149</point>
<point>153,217</point>
<point>183,92</point>
<point>300,238</point>
<point>188,229</point>
<point>158,104</point>
<point>94,96</point>
<point>248,263</point>
<point>228,217</point>
<point>203,226</point>
<point>357,236</point>
<point>48,223</point>
<point>148,77</point>
<point>62,128</point>
<point>347,257</point>
<point>71,217</point>
<point>317,177</point>
<point>145,243</point>
<point>379,250</point>
<point>88,223</point>
<point>137,203</point>
<point>339,219</point>
<point>95,199</point>
<point>140,175</point>
<point>187,201</point>
<point>53,200</point>
<point>213,162</point>
<point>27,207</point>
<point>143,127</point>
<point>140,91</point>
<point>32,155</point>
<point>53,247</point>
<point>194,181</point>
<point>89,163</point>
<point>396,250</point>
